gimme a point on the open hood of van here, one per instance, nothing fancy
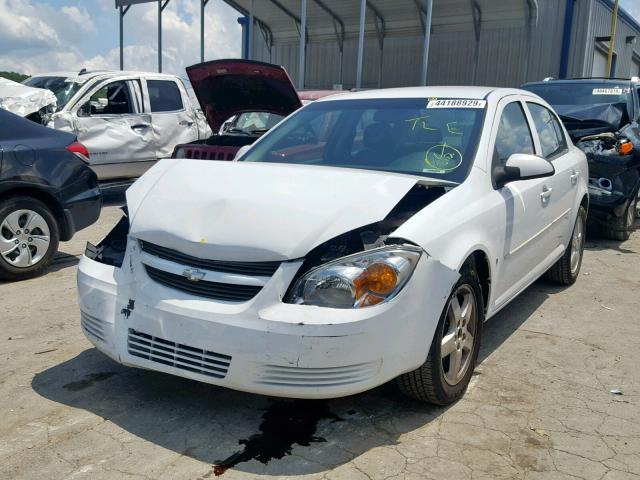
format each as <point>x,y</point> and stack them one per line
<point>228,87</point>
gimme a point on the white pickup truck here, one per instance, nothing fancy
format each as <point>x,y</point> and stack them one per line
<point>127,120</point>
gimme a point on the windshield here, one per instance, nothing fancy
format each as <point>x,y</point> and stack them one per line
<point>252,122</point>
<point>435,138</point>
<point>583,93</point>
<point>62,88</point>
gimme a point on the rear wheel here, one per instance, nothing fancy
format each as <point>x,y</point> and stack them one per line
<point>29,237</point>
<point>444,376</point>
<point>566,270</point>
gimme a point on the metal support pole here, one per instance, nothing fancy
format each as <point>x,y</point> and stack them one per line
<point>202,4</point>
<point>427,41</point>
<point>250,27</point>
<point>363,12</point>
<point>160,36</point>
<point>614,22</point>
<point>121,39</point>
<point>303,44</point>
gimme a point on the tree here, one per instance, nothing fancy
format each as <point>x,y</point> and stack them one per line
<point>16,77</point>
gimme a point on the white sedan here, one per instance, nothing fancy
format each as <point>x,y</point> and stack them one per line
<point>365,238</point>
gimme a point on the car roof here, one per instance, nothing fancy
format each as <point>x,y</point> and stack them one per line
<point>82,77</point>
<point>475,93</point>
<point>561,81</point>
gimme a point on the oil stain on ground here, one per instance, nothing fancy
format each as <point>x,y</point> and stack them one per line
<point>284,424</point>
<point>88,381</point>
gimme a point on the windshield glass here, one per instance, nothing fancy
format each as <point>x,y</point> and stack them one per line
<point>60,86</point>
<point>583,93</point>
<point>257,121</point>
<point>435,138</point>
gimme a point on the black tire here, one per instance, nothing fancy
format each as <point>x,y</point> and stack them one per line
<point>427,383</point>
<point>12,204</point>
<point>561,271</point>
<point>620,228</point>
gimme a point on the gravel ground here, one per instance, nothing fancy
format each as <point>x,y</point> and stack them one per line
<point>539,406</point>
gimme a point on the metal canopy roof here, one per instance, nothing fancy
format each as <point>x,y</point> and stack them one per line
<point>331,17</point>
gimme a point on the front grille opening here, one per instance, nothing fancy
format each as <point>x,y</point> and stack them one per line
<point>229,292</point>
<point>253,269</point>
<point>92,326</point>
<point>177,355</point>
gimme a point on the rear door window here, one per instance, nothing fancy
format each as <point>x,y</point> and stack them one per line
<point>513,134</point>
<point>552,140</point>
<point>164,96</point>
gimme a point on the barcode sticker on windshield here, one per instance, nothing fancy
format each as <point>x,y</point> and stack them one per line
<point>607,91</point>
<point>457,103</point>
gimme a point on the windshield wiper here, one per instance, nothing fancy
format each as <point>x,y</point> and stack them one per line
<point>237,130</point>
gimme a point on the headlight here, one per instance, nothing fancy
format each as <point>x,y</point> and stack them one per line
<point>360,280</point>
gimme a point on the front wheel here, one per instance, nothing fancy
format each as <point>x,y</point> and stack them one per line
<point>566,270</point>
<point>620,227</point>
<point>444,376</point>
<point>28,237</point>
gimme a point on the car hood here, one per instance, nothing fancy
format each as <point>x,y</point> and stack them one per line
<point>24,100</point>
<point>241,211</point>
<point>582,120</point>
<point>227,87</point>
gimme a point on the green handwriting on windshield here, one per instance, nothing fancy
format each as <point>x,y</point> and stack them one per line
<point>442,158</point>
<point>420,123</point>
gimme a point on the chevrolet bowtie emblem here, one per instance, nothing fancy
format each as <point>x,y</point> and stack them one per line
<point>193,274</point>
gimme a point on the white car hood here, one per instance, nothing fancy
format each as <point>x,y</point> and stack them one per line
<point>23,100</point>
<point>256,211</point>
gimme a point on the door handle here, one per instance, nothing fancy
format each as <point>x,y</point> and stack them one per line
<point>546,194</point>
<point>574,177</point>
<point>184,123</point>
<point>139,126</point>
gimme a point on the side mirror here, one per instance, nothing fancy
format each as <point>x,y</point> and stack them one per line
<point>241,151</point>
<point>522,166</point>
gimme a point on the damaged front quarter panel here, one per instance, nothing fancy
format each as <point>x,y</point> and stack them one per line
<point>614,176</point>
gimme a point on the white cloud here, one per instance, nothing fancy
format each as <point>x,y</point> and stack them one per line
<point>37,38</point>
<point>80,17</point>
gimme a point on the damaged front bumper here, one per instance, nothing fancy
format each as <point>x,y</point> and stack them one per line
<point>262,345</point>
<point>614,178</point>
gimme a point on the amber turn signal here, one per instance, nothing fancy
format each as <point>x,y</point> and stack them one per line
<point>375,282</point>
<point>625,147</point>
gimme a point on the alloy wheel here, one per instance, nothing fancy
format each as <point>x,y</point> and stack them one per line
<point>577,244</point>
<point>459,330</point>
<point>24,238</point>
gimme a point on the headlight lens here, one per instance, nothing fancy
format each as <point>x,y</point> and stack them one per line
<point>357,281</point>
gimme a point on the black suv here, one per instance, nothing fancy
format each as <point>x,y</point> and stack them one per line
<point>602,116</point>
<point>47,193</point>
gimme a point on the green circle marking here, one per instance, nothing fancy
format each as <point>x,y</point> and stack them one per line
<point>442,158</point>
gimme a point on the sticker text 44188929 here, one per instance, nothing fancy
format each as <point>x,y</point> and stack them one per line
<point>457,103</point>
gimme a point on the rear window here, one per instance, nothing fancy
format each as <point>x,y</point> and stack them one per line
<point>164,96</point>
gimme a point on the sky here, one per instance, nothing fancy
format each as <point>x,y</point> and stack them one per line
<point>48,35</point>
<point>52,35</point>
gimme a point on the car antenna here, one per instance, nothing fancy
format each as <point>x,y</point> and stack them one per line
<point>82,72</point>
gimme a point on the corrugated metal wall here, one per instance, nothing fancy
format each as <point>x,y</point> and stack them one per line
<point>505,56</point>
<point>593,19</point>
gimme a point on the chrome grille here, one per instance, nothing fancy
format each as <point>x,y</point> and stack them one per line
<point>92,326</point>
<point>177,355</point>
<point>253,269</point>
<point>229,292</point>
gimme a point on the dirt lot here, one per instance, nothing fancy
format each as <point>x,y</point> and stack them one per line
<point>539,407</point>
